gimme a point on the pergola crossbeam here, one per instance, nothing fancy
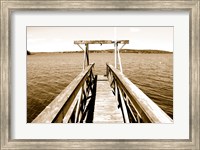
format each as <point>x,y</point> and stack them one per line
<point>101,42</point>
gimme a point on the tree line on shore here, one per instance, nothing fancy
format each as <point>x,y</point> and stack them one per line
<point>121,51</point>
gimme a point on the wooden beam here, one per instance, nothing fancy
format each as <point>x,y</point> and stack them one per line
<point>72,107</point>
<point>100,42</point>
<point>93,42</point>
<point>86,54</point>
<point>123,41</point>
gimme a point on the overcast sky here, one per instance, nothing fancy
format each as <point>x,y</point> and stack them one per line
<point>59,39</point>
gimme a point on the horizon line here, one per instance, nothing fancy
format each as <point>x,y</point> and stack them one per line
<point>99,50</point>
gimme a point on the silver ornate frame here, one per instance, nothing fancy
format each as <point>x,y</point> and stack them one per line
<point>193,6</point>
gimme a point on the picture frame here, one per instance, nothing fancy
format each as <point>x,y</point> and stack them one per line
<point>8,7</point>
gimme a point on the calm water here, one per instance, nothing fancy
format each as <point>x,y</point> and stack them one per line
<point>48,74</point>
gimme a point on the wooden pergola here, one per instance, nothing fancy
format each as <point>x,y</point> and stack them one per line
<point>116,43</point>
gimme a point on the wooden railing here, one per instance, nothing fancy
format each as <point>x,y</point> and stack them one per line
<point>135,105</point>
<point>74,103</point>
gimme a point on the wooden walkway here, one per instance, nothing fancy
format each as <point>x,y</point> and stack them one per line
<point>89,98</point>
<point>106,106</point>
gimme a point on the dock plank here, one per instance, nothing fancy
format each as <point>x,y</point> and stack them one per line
<point>106,107</point>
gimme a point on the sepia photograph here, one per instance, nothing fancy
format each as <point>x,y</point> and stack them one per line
<point>99,74</point>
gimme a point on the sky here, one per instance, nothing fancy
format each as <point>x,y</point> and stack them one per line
<point>60,39</point>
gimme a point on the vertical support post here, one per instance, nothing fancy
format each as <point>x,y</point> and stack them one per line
<point>119,60</point>
<point>116,66</point>
<point>86,54</point>
<point>85,64</point>
<point>115,45</point>
<point>116,58</point>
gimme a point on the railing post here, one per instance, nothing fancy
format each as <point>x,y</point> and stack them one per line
<point>77,113</point>
<point>123,107</point>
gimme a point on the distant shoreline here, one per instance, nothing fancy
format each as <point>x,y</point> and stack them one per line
<point>112,51</point>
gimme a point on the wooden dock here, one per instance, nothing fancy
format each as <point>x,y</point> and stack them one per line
<point>89,97</point>
<point>106,106</point>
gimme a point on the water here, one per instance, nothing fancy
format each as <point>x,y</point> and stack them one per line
<point>48,74</point>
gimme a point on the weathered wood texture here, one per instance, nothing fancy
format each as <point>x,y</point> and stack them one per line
<point>100,42</point>
<point>106,107</point>
<point>56,110</point>
<point>72,107</point>
<point>147,109</point>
